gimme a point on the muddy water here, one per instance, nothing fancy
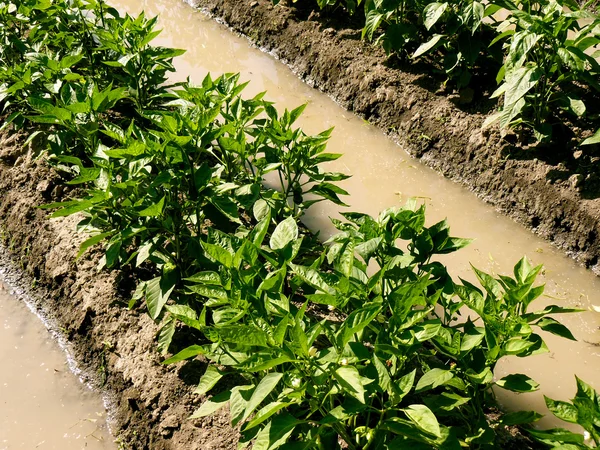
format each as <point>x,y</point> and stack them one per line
<point>43,405</point>
<point>384,176</point>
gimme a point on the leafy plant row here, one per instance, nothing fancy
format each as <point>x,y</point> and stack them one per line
<point>545,51</point>
<point>364,342</point>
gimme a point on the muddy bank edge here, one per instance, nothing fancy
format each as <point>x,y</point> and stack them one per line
<point>543,196</point>
<point>151,402</point>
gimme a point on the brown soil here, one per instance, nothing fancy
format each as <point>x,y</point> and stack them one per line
<point>554,191</point>
<point>151,402</point>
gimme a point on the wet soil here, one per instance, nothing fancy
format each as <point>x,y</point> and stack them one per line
<point>555,191</point>
<point>151,402</point>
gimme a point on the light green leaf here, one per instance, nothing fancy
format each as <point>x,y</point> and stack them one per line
<point>275,433</point>
<point>285,232</point>
<point>519,82</point>
<point>153,210</point>
<point>212,405</point>
<point>210,378</point>
<point>433,378</point>
<point>209,291</point>
<point>165,335</point>
<point>206,277</point>
<point>424,419</point>
<point>432,13</point>
<point>349,378</point>
<point>426,46</point>
<point>594,139</point>
<point>264,388</point>
<point>312,278</point>
<point>266,412</point>
<point>218,253</point>
<point>157,296</point>
<point>372,22</point>
<point>90,242</point>
<point>186,353</point>
<point>563,410</point>
<point>356,321</point>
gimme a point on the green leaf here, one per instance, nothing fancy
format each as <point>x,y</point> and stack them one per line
<point>516,346</point>
<point>521,81</point>
<point>72,208</point>
<point>264,388</point>
<point>260,209</point>
<point>186,353</point>
<point>553,326</point>
<point>312,278</point>
<point>216,292</point>
<point>70,60</point>
<point>356,321</point>
<point>518,382</point>
<point>212,405</point>
<point>432,13</point>
<point>266,412</point>
<point>285,232</point>
<point>85,176</point>
<point>594,139</point>
<point>372,22</point>
<point>555,435</point>
<point>576,106</point>
<point>243,334</point>
<point>349,378</point>
<point>157,295</point>
<point>206,277</point>
<point>472,337</point>
<point>521,44</point>
<point>276,433</point>
<point>573,58</point>
<point>260,230</point>
<point>367,248</point>
<point>217,253</point>
<point>165,335</point>
<point>433,378</point>
<point>425,47</point>
<point>238,402</point>
<point>90,242</point>
<point>563,410</point>
<point>210,378</point>
<point>424,419</point>
<point>153,210</point>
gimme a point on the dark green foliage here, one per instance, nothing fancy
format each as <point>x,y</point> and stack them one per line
<point>544,46</point>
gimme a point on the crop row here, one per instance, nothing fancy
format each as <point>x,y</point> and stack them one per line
<point>545,52</point>
<point>364,342</point>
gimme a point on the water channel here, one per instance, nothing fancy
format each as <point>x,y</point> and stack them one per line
<point>43,404</point>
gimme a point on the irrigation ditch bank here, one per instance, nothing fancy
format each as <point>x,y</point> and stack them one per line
<point>150,403</point>
<point>553,191</point>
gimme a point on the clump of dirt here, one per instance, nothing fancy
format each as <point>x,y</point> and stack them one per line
<point>152,402</point>
<point>554,191</point>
